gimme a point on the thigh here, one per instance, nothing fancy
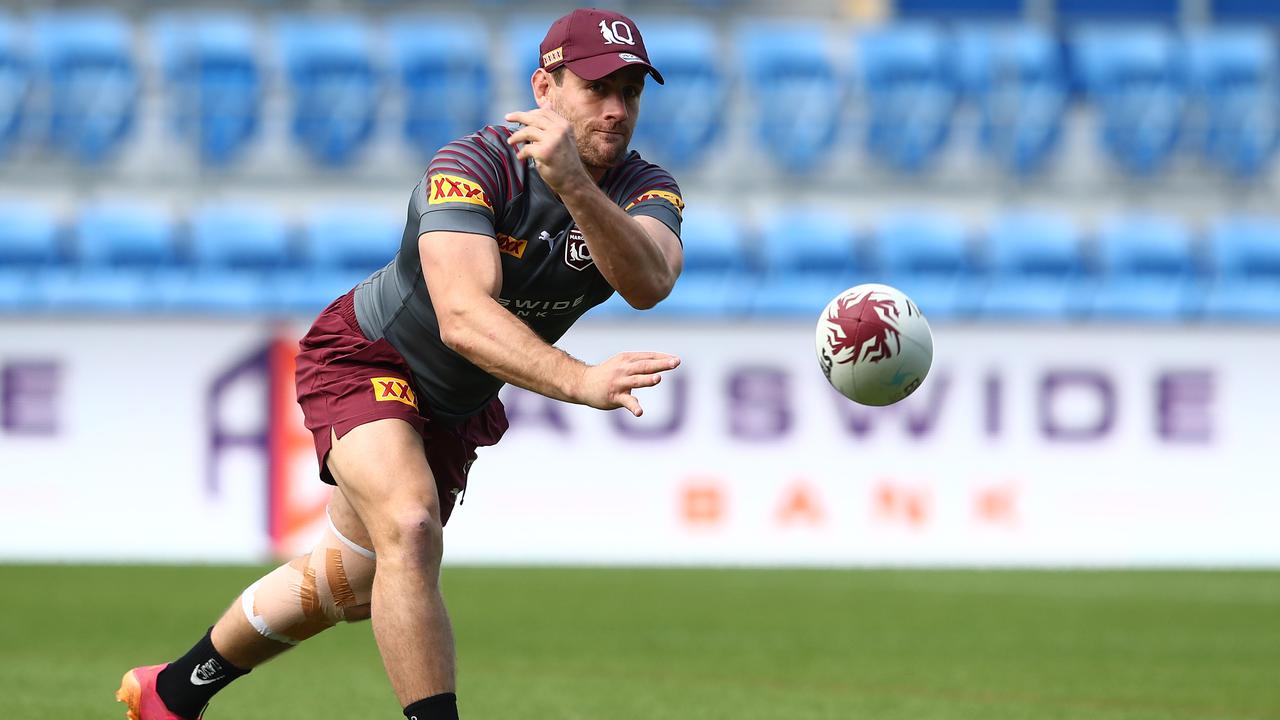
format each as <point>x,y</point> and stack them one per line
<point>382,472</point>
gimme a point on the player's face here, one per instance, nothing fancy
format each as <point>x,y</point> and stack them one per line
<point>602,112</point>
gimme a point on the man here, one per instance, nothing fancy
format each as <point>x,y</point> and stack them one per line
<point>511,236</point>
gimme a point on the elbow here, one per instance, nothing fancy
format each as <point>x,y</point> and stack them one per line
<point>647,298</point>
<point>453,330</point>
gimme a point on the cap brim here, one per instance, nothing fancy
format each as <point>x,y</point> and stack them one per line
<point>594,68</point>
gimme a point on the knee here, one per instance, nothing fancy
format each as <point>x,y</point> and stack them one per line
<point>413,537</point>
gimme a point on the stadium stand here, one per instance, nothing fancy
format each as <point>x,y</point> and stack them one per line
<point>928,256</point>
<point>241,257</point>
<point>1013,75</point>
<point>1245,252</point>
<point>120,250</point>
<point>910,93</point>
<point>86,59</point>
<point>340,247</point>
<point>210,63</point>
<point>1232,73</point>
<point>444,78</point>
<point>808,256</point>
<point>796,94</point>
<point>683,119</point>
<point>1036,265</point>
<point>1148,270</point>
<point>15,84</point>
<point>335,82</point>
<point>30,251</point>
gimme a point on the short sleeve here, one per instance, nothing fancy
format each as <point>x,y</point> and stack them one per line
<point>655,193</point>
<point>461,189</point>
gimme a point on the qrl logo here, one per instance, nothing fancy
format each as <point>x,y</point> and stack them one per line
<point>616,33</point>
<point>576,253</point>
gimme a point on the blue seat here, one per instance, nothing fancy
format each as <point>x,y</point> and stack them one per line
<point>1233,75</point>
<point>121,250</point>
<point>1133,76</point>
<point>29,254</point>
<point>444,76</point>
<point>809,257</point>
<point>1243,11</point>
<point>796,93</point>
<point>927,256</point>
<point>1163,11</point>
<point>1148,270</point>
<point>329,60</point>
<point>1245,253</point>
<point>522,37</point>
<point>342,246</point>
<point>241,254</point>
<point>215,80</point>
<point>969,9</point>
<point>15,84</point>
<point>1036,265</point>
<point>1013,74</point>
<point>86,59</point>
<point>717,280</point>
<point>910,94</point>
<point>683,118</point>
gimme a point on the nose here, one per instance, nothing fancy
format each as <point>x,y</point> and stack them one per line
<point>615,107</point>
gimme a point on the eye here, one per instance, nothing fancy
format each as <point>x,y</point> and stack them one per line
<point>596,87</point>
<point>631,92</point>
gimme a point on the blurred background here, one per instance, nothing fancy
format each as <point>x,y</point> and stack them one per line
<point>1079,194</point>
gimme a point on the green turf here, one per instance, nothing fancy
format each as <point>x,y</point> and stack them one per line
<point>695,644</point>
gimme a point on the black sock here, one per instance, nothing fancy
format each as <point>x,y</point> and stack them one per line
<point>437,707</point>
<point>188,683</point>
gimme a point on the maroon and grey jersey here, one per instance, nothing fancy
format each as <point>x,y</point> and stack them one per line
<point>477,185</point>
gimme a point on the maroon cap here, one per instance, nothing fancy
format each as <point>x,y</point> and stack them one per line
<point>594,43</point>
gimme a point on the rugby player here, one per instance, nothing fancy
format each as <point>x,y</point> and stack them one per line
<point>511,236</point>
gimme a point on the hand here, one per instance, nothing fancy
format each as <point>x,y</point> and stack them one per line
<point>608,385</point>
<point>548,139</point>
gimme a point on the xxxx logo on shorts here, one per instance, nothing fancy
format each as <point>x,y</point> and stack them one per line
<point>452,189</point>
<point>512,246</point>
<point>667,195</point>
<point>388,389</point>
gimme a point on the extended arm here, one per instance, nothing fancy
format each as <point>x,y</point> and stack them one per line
<point>463,273</point>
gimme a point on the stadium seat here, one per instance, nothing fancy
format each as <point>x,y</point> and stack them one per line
<point>1244,11</point>
<point>927,256</point>
<point>684,117</point>
<point>15,84</point>
<point>1245,253</point>
<point>444,74</point>
<point>86,59</point>
<point>809,257</point>
<point>960,9</point>
<point>1132,75</point>
<point>718,280</point>
<point>523,36</point>
<point>29,254</point>
<point>1233,77</point>
<point>796,94</point>
<point>241,254</point>
<point>1013,74</point>
<point>329,60</point>
<point>1162,11</point>
<point>341,246</point>
<point>1036,264</point>
<point>214,80</point>
<point>121,251</point>
<point>1148,270</point>
<point>910,94</point>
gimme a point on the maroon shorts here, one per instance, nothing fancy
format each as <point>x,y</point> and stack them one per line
<point>345,380</point>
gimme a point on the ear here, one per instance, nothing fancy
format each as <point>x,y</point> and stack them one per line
<point>542,83</point>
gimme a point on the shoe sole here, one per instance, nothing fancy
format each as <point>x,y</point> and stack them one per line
<point>130,693</point>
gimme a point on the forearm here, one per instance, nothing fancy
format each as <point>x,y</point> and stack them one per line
<point>500,344</point>
<point>626,255</point>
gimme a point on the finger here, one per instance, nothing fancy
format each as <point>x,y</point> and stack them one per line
<point>643,381</point>
<point>644,367</point>
<point>628,401</point>
<point>536,118</point>
<point>650,356</point>
<point>526,134</point>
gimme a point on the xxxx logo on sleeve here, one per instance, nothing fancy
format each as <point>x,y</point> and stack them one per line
<point>390,389</point>
<point>453,189</point>
<point>512,246</point>
<point>667,195</point>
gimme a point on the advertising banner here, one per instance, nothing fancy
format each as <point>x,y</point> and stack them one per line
<point>1083,445</point>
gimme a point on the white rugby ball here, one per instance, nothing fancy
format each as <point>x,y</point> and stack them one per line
<point>874,344</point>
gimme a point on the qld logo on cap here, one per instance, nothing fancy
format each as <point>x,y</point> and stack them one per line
<point>617,33</point>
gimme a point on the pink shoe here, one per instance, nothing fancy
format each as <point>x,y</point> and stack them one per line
<point>138,691</point>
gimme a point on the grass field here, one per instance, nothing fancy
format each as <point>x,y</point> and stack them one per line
<point>696,644</point>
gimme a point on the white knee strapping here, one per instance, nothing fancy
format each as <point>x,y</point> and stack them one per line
<point>332,583</point>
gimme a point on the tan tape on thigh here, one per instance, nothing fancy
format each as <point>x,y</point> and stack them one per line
<point>311,593</point>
